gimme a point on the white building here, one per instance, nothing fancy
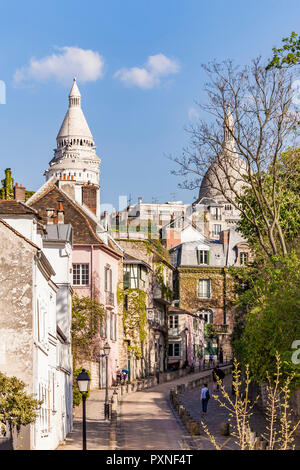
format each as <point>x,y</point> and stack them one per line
<point>75,159</point>
<point>35,320</point>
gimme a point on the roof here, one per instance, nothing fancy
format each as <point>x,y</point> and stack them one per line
<point>128,259</point>
<point>13,207</point>
<point>84,225</point>
<point>74,123</point>
<point>59,233</point>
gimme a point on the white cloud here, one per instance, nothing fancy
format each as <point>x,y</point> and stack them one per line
<point>193,113</point>
<point>70,62</point>
<point>149,76</point>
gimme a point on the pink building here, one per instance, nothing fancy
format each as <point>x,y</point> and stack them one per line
<point>185,338</point>
<point>96,259</point>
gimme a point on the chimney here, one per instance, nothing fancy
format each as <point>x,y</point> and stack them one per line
<point>19,193</point>
<point>60,213</point>
<point>50,216</point>
<point>90,196</point>
<point>224,237</point>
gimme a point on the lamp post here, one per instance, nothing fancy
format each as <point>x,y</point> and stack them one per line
<point>106,350</point>
<point>83,382</point>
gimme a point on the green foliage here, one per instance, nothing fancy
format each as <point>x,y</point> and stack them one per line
<point>288,54</point>
<point>17,408</point>
<point>7,190</point>
<point>210,330</point>
<point>87,316</point>
<point>272,321</point>
<point>167,292</point>
<point>285,196</point>
<point>77,396</point>
<point>134,318</point>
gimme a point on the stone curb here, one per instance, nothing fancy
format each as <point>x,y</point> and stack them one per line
<point>192,426</point>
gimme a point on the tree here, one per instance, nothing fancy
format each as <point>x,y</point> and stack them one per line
<point>17,408</point>
<point>286,197</point>
<point>272,323</point>
<point>288,54</point>
<point>279,430</point>
<point>255,122</point>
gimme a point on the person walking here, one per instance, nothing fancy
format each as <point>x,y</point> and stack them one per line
<point>205,396</point>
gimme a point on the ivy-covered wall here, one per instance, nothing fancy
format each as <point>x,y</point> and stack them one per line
<point>220,301</point>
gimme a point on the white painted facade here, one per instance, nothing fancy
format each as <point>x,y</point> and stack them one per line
<point>49,370</point>
<point>75,157</point>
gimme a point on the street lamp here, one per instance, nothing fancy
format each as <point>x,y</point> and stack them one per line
<point>106,350</point>
<point>83,382</point>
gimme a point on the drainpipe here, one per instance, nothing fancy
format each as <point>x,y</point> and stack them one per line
<point>92,253</point>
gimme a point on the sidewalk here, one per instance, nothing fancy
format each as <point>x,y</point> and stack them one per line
<point>97,429</point>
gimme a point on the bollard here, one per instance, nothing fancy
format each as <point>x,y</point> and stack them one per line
<point>225,429</point>
<point>114,402</point>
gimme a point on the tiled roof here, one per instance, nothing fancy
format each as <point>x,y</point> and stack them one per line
<point>14,207</point>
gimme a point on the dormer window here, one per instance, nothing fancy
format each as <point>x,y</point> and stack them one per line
<point>203,256</point>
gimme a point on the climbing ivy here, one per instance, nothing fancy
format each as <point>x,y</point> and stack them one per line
<point>134,317</point>
<point>167,292</point>
<point>87,316</point>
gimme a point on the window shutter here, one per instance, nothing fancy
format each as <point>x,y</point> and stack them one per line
<point>105,279</point>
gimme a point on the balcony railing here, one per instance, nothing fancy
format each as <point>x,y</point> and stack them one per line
<point>110,299</point>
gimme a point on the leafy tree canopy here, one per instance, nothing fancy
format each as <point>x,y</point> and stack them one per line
<point>288,54</point>
<point>273,318</point>
<point>17,408</point>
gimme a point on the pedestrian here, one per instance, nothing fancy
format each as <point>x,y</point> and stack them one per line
<point>211,360</point>
<point>205,396</point>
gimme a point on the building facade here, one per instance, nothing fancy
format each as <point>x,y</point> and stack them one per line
<point>35,340</point>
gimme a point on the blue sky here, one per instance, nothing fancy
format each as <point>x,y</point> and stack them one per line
<point>136,107</point>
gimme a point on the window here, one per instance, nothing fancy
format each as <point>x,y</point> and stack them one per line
<point>244,257</point>
<point>227,207</point>
<point>215,213</point>
<point>174,257</point>
<point>134,277</point>
<point>204,288</point>
<point>174,349</point>
<point>217,229</point>
<point>107,279</point>
<point>112,324</point>
<point>105,324</point>
<point>207,316</point>
<point>203,257</point>
<point>173,321</point>
<point>81,274</point>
